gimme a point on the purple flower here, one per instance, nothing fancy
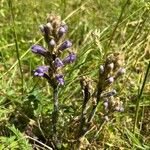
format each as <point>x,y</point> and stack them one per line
<point>60,79</point>
<point>37,49</point>
<point>65,45</point>
<point>58,63</point>
<point>41,70</point>
<point>70,58</point>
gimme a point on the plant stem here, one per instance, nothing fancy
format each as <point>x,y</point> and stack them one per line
<point>139,96</point>
<point>55,111</point>
<point>100,128</point>
<point>92,114</point>
<point>95,107</point>
<point>82,119</point>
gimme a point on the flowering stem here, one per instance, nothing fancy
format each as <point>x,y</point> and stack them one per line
<point>82,119</point>
<point>95,106</point>
<point>55,110</point>
<point>92,112</point>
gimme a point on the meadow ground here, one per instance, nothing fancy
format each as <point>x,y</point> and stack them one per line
<point>96,28</point>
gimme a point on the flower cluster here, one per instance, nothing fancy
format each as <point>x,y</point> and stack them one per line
<point>109,73</point>
<point>54,31</point>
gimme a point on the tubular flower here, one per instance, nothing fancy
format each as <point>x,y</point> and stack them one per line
<point>58,63</point>
<point>70,58</point>
<point>41,70</point>
<point>37,49</point>
<point>65,45</point>
<point>60,79</point>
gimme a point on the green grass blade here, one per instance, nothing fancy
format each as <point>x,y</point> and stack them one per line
<point>16,42</point>
<point>139,96</point>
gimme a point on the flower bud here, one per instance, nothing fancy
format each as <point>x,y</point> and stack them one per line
<point>111,66</point>
<point>110,80</point>
<point>65,45</point>
<point>49,26</point>
<point>112,93</point>
<point>101,69</point>
<point>37,49</point>
<point>63,24</point>
<point>121,109</point>
<point>52,42</point>
<point>41,27</point>
<point>106,104</point>
<point>117,108</point>
<point>121,71</point>
<point>106,118</point>
<point>62,30</point>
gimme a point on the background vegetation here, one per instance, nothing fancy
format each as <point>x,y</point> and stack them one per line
<point>96,27</point>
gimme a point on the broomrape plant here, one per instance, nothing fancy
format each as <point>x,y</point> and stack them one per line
<point>96,93</point>
<point>54,31</point>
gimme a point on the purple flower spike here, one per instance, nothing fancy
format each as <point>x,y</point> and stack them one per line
<point>65,45</point>
<point>60,79</point>
<point>41,70</point>
<point>37,49</point>
<point>70,58</point>
<point>58,63</point>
